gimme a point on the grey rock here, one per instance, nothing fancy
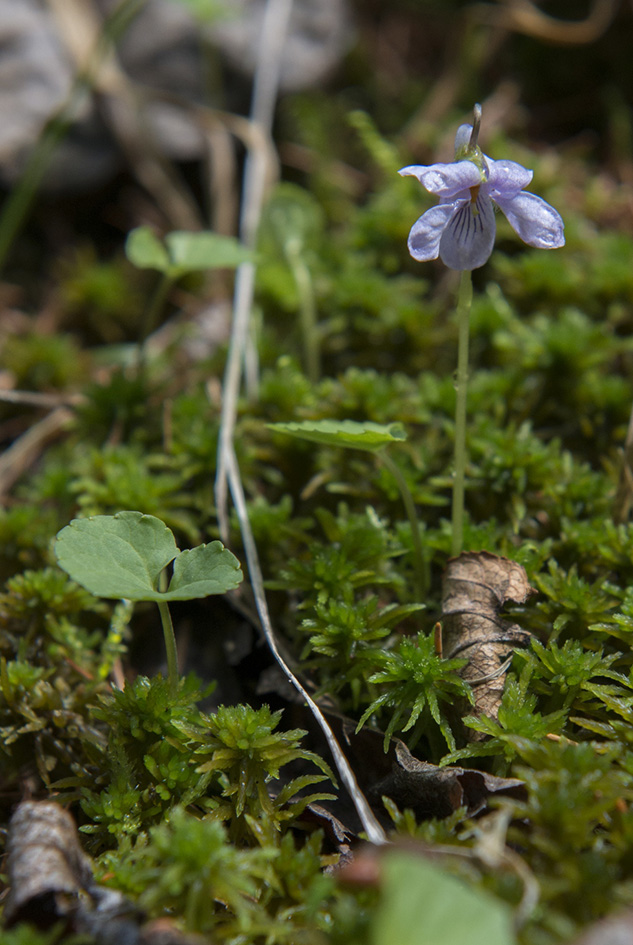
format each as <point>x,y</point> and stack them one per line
<point>160,52</point>
<point>319,34</point>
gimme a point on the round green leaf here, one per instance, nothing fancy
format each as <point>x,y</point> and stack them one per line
<point>123,555</point>
<point>292,217</point>
<point>423,905</point>
<point>118,555</point>
<point>189,252</point>
<point>145,250</point>
<point>350,434</point>
<point>199,572</point>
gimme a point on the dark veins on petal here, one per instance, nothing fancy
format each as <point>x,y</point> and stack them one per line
<point>466,223</point>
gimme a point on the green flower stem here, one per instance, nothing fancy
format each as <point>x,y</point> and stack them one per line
<point>307,314</point>
<point>421,579</point>
<point>153,310</point>
<point>464,301</point>
<point>170,645</point>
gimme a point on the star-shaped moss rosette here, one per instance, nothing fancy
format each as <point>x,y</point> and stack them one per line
<point>125,556</point>
<point>371,438</point>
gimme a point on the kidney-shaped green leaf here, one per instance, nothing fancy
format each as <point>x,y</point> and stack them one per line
<point>190,252</point>
<point>118,555</point>
<point>184,251</point>
<point>347,433</point>
<point>199,572</point>
<point>145,250</point>
<point>123,555</point>
<point>423,905</point>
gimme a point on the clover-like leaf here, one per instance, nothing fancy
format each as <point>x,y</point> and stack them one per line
<point>123,555</point>
<point>145,250</point>
<point>292,216</point>
<point>183,251</point>
<point>350,434</point>
<point>189,252</point>
<point>118,555</point>
<point>199,572</point>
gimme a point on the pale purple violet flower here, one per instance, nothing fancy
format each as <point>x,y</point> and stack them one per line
<point>461,228</point>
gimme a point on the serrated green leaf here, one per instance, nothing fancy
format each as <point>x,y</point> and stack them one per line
<point>118,555</point>
<point>199,572</point>
<point>145,250</point>
<point>350,434</point>
<point>189,252</point>
<point>423,905</point>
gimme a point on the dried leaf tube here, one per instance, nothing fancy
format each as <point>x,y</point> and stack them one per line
<point>476,586</point>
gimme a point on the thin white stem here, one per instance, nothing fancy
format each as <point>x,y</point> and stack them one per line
<point>372,828</point>
<point>256,167</point>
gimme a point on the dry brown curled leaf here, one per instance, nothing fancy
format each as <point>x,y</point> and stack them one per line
<point>47,867</point>
<point>475,588</point>
<point>430,791</point>
<point>51,881</point>
<point>417,785</point>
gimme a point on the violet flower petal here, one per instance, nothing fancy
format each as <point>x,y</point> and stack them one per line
<point>506,178</point>
<point>534,220</point>
<point>462,137</point>
<point>468,239</point>
<point>426,232</point>
<point>445,180</point>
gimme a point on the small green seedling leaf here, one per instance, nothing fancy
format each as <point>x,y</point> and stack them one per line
<point>189,252</point>
<point>123,556</point>
<point>423,905</point>
<point>118,555</point>
<point>350,434</point>
<point>145,250</point>
<point>291,218</point>
<point>184,252</point>
<point>207,569</point>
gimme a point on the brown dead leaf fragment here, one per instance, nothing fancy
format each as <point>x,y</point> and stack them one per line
<point>51,881</point>
<point>430,791</point>
<point>475,588</point>
<point>47,867</point>
<point>426,789</point>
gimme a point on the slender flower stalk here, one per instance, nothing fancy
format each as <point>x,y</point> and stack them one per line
<point>170,645</point>
<point>461,230</point>
<point>464,300</point>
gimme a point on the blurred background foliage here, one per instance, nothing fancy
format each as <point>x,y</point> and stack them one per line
<point>89,426</point>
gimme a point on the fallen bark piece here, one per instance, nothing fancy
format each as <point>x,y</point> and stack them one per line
<point>47,867</point>
<point>51,882</point>
<point>475,588</point>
